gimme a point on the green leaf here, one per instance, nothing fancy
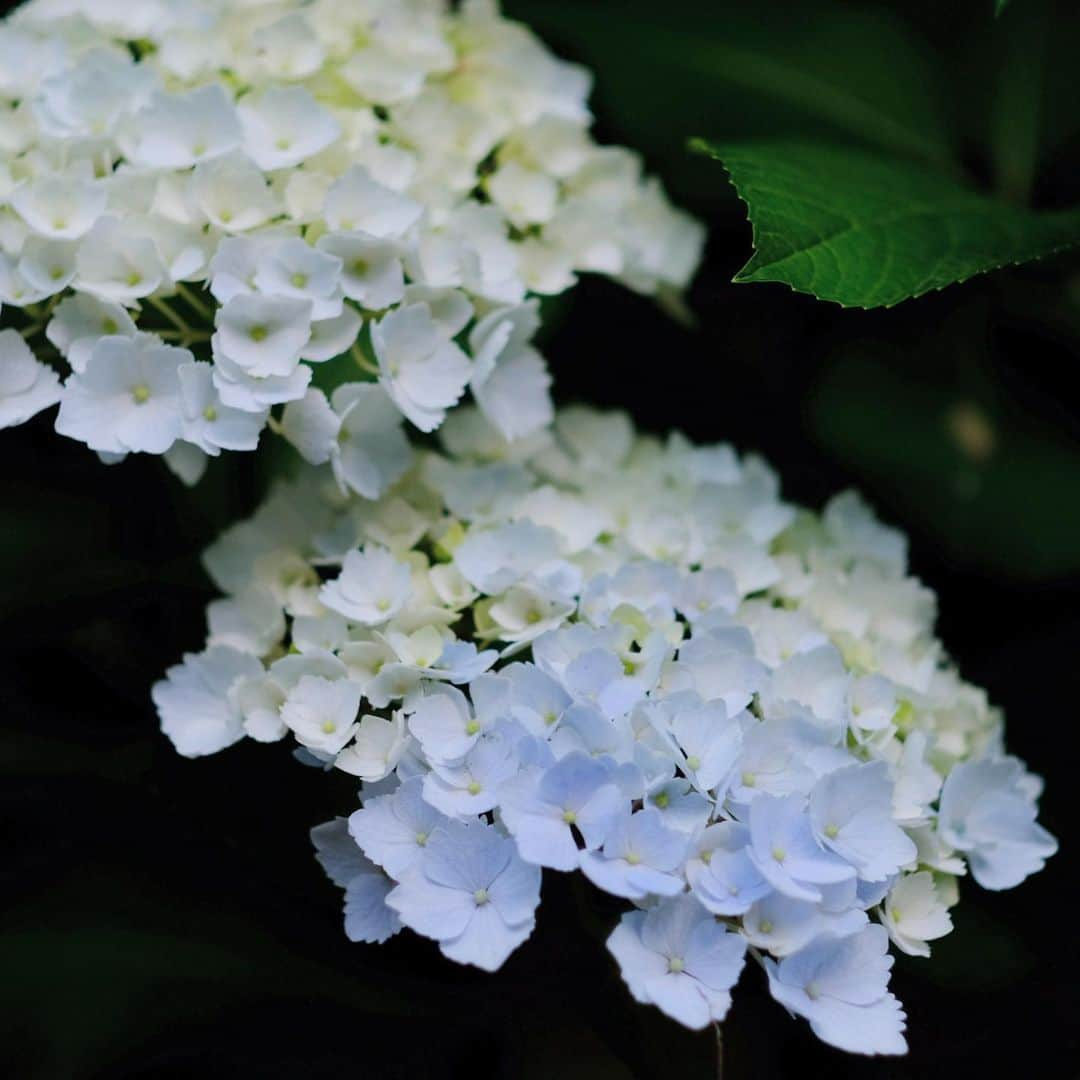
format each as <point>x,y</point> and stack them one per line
<point>985,484</point>
<point>869,231</point>
<point>999,6</point>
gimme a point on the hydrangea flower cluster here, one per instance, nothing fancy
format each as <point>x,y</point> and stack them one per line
<point>595,651</point>
<point>203,201</point>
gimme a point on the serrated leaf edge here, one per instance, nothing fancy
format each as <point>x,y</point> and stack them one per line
<point>701,145</point>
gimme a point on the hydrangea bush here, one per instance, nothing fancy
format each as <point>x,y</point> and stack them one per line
<point>537,640</point>
<point>202,199</point>
<point>594,651</point>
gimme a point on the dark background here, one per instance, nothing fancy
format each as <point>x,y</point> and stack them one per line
<point>166,918</point>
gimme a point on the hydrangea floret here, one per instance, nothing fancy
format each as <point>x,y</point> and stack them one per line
<point>212,212</point>
<point>593,650</point>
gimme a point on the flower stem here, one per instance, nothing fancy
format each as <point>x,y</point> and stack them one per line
<point>362,362</point>
<point>185,339</point>
<point>194,302</point>
<point>176,320</point>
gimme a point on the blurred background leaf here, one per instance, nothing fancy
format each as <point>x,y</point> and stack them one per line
<point>989,486</point>
<point>776,68</point>
<point>1015,114</point>
<point>1014,82</point>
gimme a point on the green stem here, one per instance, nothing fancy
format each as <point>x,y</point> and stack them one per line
<point>192,337</point>
<point>194,302</point>
<point>160,305</point>
<point>362,362</point>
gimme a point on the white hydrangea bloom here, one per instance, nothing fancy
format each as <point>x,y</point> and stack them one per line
<point>59,206</point>
<point>379,745</point>
<point>510,381</point>
<point>321,713</point>
<point>118,260</point>
<point>371,452</point>
<point>380,189</point>
<point>423,372</point>
<point>127,398</point>
<point>356,203</point>
<point>176,131</point>
<point>194,704</point>
<point>209,423</point>
<point>519,685</point>
<point>915,912</point>
<point>79,321</point>
<point>285,125</point>
<point>233,194</point>
<point>262,335</point>
<point>371,589</point>
<point>26,386</point>
<point>251,621</point>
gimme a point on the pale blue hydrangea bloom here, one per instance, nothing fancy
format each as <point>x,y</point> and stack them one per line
<point>988,812</point>
<point>785,851</point>
<point>851,811</point>
<point>542,808</point>
<point>781,925</point>
<point>471,892</point>
<point>393,829</point>
<point>367,916</point>
<point>721,874</point>
<point>677,957</point>
<point>595,652</point>
<point>641,855</point>
<point>840,984</point>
